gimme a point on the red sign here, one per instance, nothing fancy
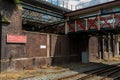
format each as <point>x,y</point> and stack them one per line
<point>16,38</point>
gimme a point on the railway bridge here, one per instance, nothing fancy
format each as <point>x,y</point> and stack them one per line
<point>101,21</point>
<point>44,34</point>
<point>98,17</point>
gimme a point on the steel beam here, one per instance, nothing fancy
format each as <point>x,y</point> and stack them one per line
<point>71,27</point>
<point>40,10</point>
<point>98,22</point>
<point>81,25</point>
<point>92,23</point>
<point>117,17</point>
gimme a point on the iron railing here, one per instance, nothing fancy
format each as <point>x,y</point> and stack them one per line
<point>65,3</point>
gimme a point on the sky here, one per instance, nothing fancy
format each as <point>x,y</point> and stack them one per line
<point>71,4</point>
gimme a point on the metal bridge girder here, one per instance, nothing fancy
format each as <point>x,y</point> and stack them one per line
<point>71,27</point>
<point>97,22</point>
<point>117,17</point>
<point>81,25</point>
<point>62,27</point>
<point>40,10</point>
<point>105,20</point>
<point>92,23</point>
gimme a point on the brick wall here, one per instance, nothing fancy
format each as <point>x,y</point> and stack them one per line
<point>59,49</point>
<point>10,51</point>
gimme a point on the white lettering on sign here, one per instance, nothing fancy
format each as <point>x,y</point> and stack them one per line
<point>42,46</point>
<point>16,38</point>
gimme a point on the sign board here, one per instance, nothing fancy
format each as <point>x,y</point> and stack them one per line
<point>42,46</point>
<point>16,38</point>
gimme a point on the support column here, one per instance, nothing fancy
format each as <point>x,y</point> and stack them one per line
<point>98,22</point>
<point>3,54</point>
<point>117,48</point>
<point>0,34</point>
<point>48,45</point>
<point>113,44</point>
<point>117,45</point>
<point>75,26</point>
<point>0,42</point>
<point>102,48</point>
<point>109,49</point>
<point>86,24</point>
<point>113,20</point>
<point>49,60</point>
<point>66,27</point>
<point>99,47</point>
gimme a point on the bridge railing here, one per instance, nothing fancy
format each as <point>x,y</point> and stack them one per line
<point>62,3</point>
<point>65,3</point>
<point>109,21</point>
<point>91,3</point>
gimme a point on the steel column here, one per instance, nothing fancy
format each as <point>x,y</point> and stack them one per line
<point>98,22</point>
<point>86,24</point>
<point>66,27</point>
<point>117,17</point>
<point>75,25</point>
<point>113,20</point>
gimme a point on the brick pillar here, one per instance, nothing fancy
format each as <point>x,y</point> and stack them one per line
<point>4,55</point>
<point>113,44</point>
<point>48,50</point>
<point>11,23</point>
<point>117,45</point>
<point>109,46</point>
